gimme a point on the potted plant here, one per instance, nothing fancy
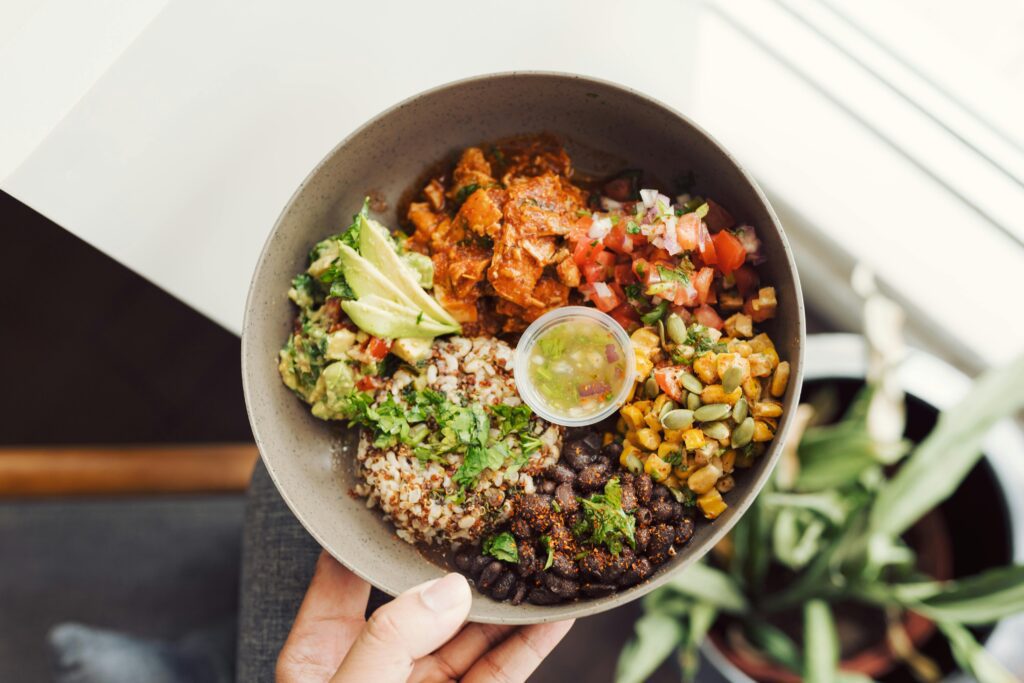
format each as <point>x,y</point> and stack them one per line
<point>842,569</point>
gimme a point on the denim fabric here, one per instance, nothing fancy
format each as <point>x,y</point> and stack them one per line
<point>278,558</point>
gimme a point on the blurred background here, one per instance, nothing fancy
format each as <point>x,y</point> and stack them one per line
<point>147,146</point>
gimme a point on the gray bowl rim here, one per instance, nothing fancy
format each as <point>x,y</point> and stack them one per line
<point>693,553</point>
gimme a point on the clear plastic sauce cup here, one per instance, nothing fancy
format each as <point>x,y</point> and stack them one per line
<point>574,366</point>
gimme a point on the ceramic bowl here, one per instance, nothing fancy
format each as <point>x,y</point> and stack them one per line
<point>605,127</point>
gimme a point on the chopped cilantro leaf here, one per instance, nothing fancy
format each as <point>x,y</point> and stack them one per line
<point>604,522</point>
<point>502,547</point>
<point>655,314</point>
<point>549,546</point>
<point>632,228</point>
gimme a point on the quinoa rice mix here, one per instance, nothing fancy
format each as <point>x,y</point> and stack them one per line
<point>411,338</point>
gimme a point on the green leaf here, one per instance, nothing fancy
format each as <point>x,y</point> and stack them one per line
<point>702,617</point>
<point>972,658</point>
<point>351,236</point>
<point>980,599</point>
<point>938,465</point>
<point>654,315</point>
<point>797,537</point>
<point>657,635</point>
<point>546,540</point>
<point>821,644</point>
<point>502,547</point>
<point>604,522</point>
<point>834,456</point>
<point>773,642</point>
<point>829,504</point>
<point>711,585</point>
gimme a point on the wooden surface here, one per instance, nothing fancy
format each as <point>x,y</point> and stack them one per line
<point>144,469</point>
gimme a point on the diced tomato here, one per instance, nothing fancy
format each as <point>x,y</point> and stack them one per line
<point>594,272</point>
<point>366,383</point>
<point>687,230</point>
<point>586,251</point>
<point>718,218</point>
<point>685,294</point>
<point>707,316</point>
<point>624,274</point>
<point>642,268</point>
<point>617,290</point>
<point>702,283</point>
<point>730,252</point>
<point>668,379</point>
<point>601,295</point>
<point>618,240</point>
<point>706,246</point>
<point>377,348</point>
<point>660,255</point>
<point>747,280</point>
<point>627,316</point>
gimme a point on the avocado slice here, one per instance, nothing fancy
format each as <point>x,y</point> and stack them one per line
<point>412,351</point>
<point>392,323</point>
<point>366,279</point>
<point>376,248</point>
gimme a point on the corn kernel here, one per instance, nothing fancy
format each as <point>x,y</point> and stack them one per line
<point>741,347</point>
<point>780,379</point>
<point>646,338</point>
<point>632,438</point>
<point>671,481</point>
<point>767,409</point>
<point>628,449</point>
<point>761,342</point>
<point>607,438</point>
<point>632,393</point>
<point>652,421</point>
<point>632,416</point>
<point>644,365</point>
<point>703,480</point>
<point>659,403</point>
<point>729,460</point>
<point>724,361</point>
<point>712,504</point>
<point>704,367</point>
<point>647,438</point>
<point>693,438</point>
<point>739,325</point>
<point>673,436</point>
<point>643,406</point>
<point>682,473</point>
<point>657,468</point>
<point>715,393</point>
<point>666,450</point>
<point>751,389</point>
<point>773,357</point>
<point>762,432</point>
<point>760,365</point>
<point>621,426</point>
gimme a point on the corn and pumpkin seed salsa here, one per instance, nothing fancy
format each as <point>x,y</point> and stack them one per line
<point>411,338</point>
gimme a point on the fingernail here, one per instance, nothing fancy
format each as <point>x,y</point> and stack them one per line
<point>445,593</point>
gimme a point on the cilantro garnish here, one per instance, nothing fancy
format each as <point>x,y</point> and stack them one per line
<point>655,314</point>
<point>549,546</point>
<point>604,521</point>
<point>502,547</point>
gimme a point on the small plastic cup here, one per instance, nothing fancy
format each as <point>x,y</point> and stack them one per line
<point>561,316</point>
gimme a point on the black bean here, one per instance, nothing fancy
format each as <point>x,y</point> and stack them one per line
<point>661,493</point>
<point>628,496</point>
<point>600,565</point>
<point>592,441</point>
<point>592,477</point>
<point>662,538</point>
<point>643,535</point>
<point>677,509</point>
<point>643,516</point>
<point>566,498</point>
<point>577,455</point>
<point>535,509</point>
<point>561,586</point>
<point>489,575</point>
<point>603,461</point>
<point>542,596</point>
<point>662,510</point>
<point>528,563</point>
<point>504,586</point>
<point>637,572</point>
<point>563,565</point>
<point>520,593</point>
<point>684,530</point>
<point>546,486</point>
<point>478,564</point>
<point>521,528</point>
<point>575,434</point>
<point>612,451</point>
<point>597,590</point>
<point>464,559</point>
<point>644,486</point>
<point>562,473</point>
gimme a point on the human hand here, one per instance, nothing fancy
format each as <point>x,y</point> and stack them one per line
<point>419,636</point>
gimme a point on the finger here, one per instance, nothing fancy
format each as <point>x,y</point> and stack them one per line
<point>455,657</point>
<point>522,652</point>
<point>411,626</point>
<point>329,619</point>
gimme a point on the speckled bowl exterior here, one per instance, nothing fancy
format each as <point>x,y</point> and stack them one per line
<point>605,127</point>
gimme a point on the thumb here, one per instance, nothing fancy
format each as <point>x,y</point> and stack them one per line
<point>413,625</point>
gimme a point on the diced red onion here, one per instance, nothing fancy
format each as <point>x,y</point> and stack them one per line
<point>649,198</point>
<point>751,244</point>
<point>610,353</point>
<point>609,204</point>
<point>602,290</point>
<point>600,227</point>
<point>593,389</point>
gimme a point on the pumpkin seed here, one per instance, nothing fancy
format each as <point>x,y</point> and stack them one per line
<point>742,435</point>
<point>712,412</point>
<point>716,430</point>
<point>692,401</point>
<point>667,406</point>
<point>731,378</point>
<point>651,387</point>
<point>679,418</point>
<point>676,328</point>
<point>739,411</point>
<point>691,383</point>
<point>661,334</point>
